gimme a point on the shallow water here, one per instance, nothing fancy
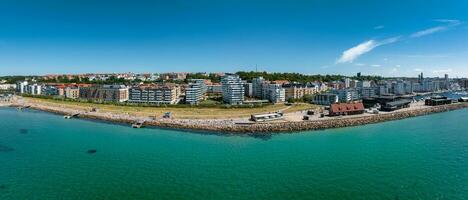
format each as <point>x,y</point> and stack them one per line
<point>418,158</point>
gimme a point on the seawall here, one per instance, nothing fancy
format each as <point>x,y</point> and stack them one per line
<point>268,127</point>
<point>319,124</point>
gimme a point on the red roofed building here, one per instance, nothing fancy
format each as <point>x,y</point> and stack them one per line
<point>337,109</point>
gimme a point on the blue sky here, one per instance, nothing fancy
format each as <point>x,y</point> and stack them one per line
<point>390,38</point>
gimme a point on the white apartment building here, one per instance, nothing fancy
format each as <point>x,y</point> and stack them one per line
<point>6,86</point>
<point>274,93</point>
<point>22,86</point>
<point>34,89</point>
<point>195,91</point>
<point>257,87</point>
<point>233,89</point>
<point>347,95</point>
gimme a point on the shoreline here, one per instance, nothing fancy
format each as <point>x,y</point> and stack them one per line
<point>229,126</point>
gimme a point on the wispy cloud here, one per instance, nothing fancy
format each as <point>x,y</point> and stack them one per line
<point>448,24</point>
<point>379,27</point>
<point>351,54</point>
<point>418,70</point>
<point>428,31</point>
<point>450,21</point>
<point>355,52</point>
<point>376,65</point>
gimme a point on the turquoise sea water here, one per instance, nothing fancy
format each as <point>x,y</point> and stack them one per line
<point>43,156</point>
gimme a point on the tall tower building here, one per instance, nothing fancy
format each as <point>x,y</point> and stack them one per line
<point>233,89</point>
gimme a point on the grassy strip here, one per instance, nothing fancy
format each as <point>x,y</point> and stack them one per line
<point>185,112</point>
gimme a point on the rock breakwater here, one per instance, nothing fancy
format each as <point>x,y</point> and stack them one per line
<point>316,125</point>
<point>229,126</point>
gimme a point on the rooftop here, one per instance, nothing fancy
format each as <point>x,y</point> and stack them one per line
<point>346,107</point>
<point>156,86</point>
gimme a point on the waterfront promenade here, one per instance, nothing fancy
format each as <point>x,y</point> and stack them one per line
<point>291,123</point>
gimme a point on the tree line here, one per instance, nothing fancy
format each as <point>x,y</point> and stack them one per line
<point>301,78</point>
<point>215,78</point>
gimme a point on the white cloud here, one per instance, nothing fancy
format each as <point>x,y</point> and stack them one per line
<point>448,24</point>
<point>351,54</point>
<point>375,65</point>
<point>418,70</point>
<point>428,31</point>
<point>379,27</point>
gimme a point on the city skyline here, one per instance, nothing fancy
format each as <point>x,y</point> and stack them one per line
<point>220,73</point>
<point>388,39</point>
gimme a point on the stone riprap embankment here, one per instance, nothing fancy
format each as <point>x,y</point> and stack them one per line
<point>271,127</point>
<point>229,126</point>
